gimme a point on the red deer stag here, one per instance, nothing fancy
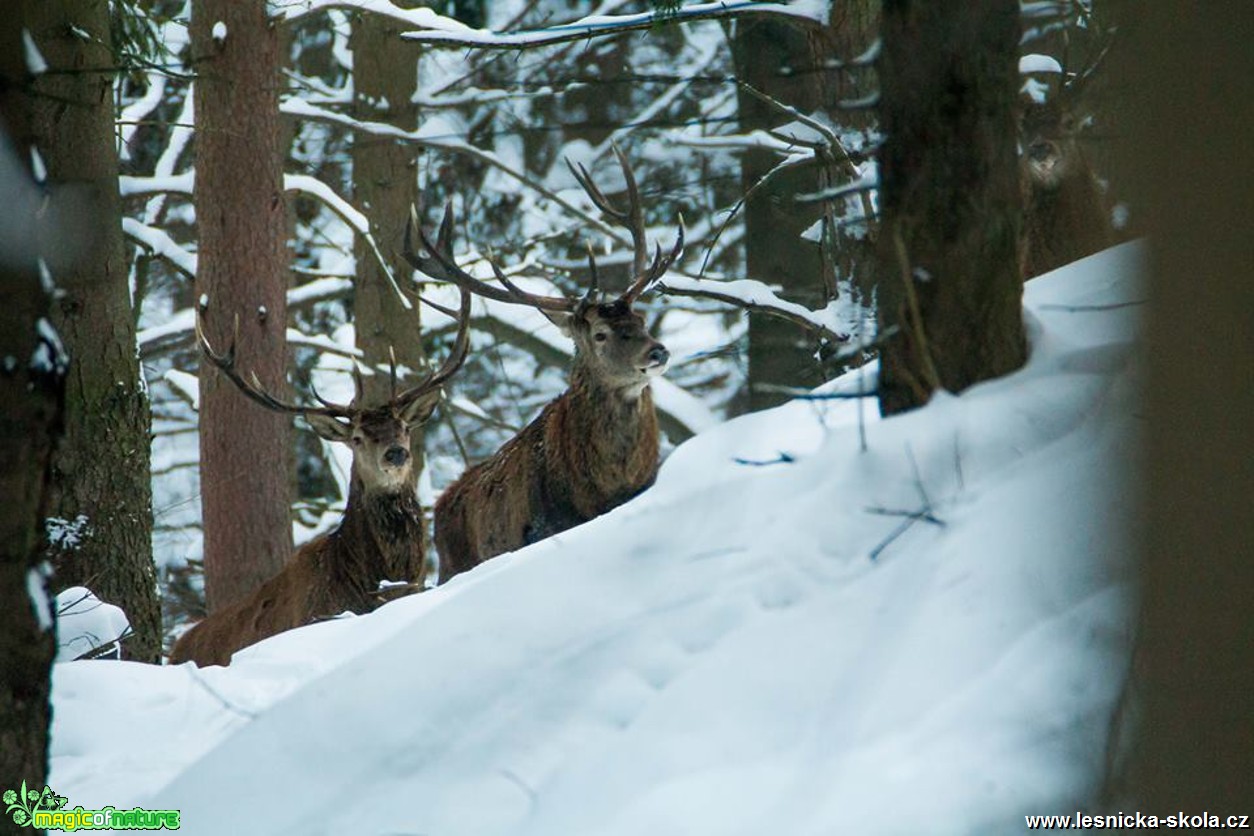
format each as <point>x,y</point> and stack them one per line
<point>380,536</point>
<point>1067,214</point>
<point>596,445</point>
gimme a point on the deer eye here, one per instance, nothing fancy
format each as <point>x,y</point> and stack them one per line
<point>600,336</point>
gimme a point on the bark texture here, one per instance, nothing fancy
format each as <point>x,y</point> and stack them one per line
<point>101,478</point>
<point>780,354</point>
<point>31,411</point>
<point>242,273</point>
<point>950,199</point>
<point>385,185</point>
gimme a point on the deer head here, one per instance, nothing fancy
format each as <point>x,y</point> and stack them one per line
<point>1049,123</point>
<point>378,435</point>
<point>611,339</point>
<point>1048,138</point>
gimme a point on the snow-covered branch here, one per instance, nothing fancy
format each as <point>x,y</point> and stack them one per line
<point>804,11</point>
<point>178,328</point>
<point>305,110</point>
<point>159,243</point>
<point>293,10</point>
<point>752,296</point>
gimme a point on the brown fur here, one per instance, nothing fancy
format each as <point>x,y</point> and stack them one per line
<point>1067,216</point>
<point>379,538</point>
<point>590,450</point>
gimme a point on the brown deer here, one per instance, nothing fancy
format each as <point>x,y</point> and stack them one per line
<point>596,445</point>
<point>380,536</point>
<point>1067,213</point>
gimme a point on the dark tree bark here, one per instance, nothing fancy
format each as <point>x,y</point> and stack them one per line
<point>1194,678</point>
<point>101,478</point>
<point>780,354</point>
<point>950,199</point>
<point>31,412</point>
<point>242,226</point>
<point>385,185</point>
<point>849,246</point>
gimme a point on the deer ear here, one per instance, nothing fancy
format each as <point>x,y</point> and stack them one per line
<point>563,321</point>
<point>332,429</point>
<point>421,408</point>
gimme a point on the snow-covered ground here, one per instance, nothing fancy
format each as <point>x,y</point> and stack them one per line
<point>745,649</point>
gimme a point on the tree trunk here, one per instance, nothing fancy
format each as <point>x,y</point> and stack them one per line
<point>950,199</point>
<point>780,354</point>
<point>242,277</point>
<point>849,253</point>
<point>31,395</point>
<point>101,479</point>
<point>1194,739</point>
<point>385,185</point>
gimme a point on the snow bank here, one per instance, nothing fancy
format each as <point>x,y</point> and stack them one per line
<point>762,643</point>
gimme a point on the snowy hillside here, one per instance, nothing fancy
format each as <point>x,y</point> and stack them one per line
<point>745,649</point>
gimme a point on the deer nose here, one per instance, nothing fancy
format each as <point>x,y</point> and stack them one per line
<point>1039,151</point>
<point>396,456</point>
<point>659,356</point>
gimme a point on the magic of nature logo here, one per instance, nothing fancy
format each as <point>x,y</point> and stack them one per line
<point>45,810</point>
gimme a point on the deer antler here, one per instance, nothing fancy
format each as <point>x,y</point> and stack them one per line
<point>253,389</point>
<point>437,262</point>
<point>461,347</point>
<point>436,259</point>
<point>645,271</point>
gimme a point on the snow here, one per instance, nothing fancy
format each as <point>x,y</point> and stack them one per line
<point>50,356</point>
<point>1036,63</point>
<point>37,167</point>
<point>219,31</point>
<point>84,623</point>
<point>605,24</point>
<point>158,242</point>
<point>295,9</point>
<point>35,63</point>
<point>740,650</point>
<point>37,592</point>
<point>187,386</point>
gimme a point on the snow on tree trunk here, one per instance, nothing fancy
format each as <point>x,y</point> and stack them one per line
<point>950,199</point>
<point>101,476</point>
<point>242,273</point>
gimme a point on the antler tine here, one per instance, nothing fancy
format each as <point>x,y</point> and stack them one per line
<point>598,198</point>
<point>658,268</point>
<point>251,386</point>
<point>594,284</point>
<point>634,216</point>
<point>439,264</point>
<point>461,347</point>
<point>392,371</point>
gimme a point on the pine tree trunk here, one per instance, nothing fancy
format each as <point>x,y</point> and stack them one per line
<point>242,275</point>
<point>780,354</point>
<point>950,199</point>
<point>101,478</point>
<point>31,412</point>
<point>385,185</point>
<point>849,253</point>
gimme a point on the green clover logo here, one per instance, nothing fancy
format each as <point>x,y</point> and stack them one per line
<point>22,804</point>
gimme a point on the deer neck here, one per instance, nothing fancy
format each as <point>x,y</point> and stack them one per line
<point>380,537</point>
<point>615,422</point>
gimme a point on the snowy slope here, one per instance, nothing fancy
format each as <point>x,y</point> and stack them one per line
<point>722,655</point>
